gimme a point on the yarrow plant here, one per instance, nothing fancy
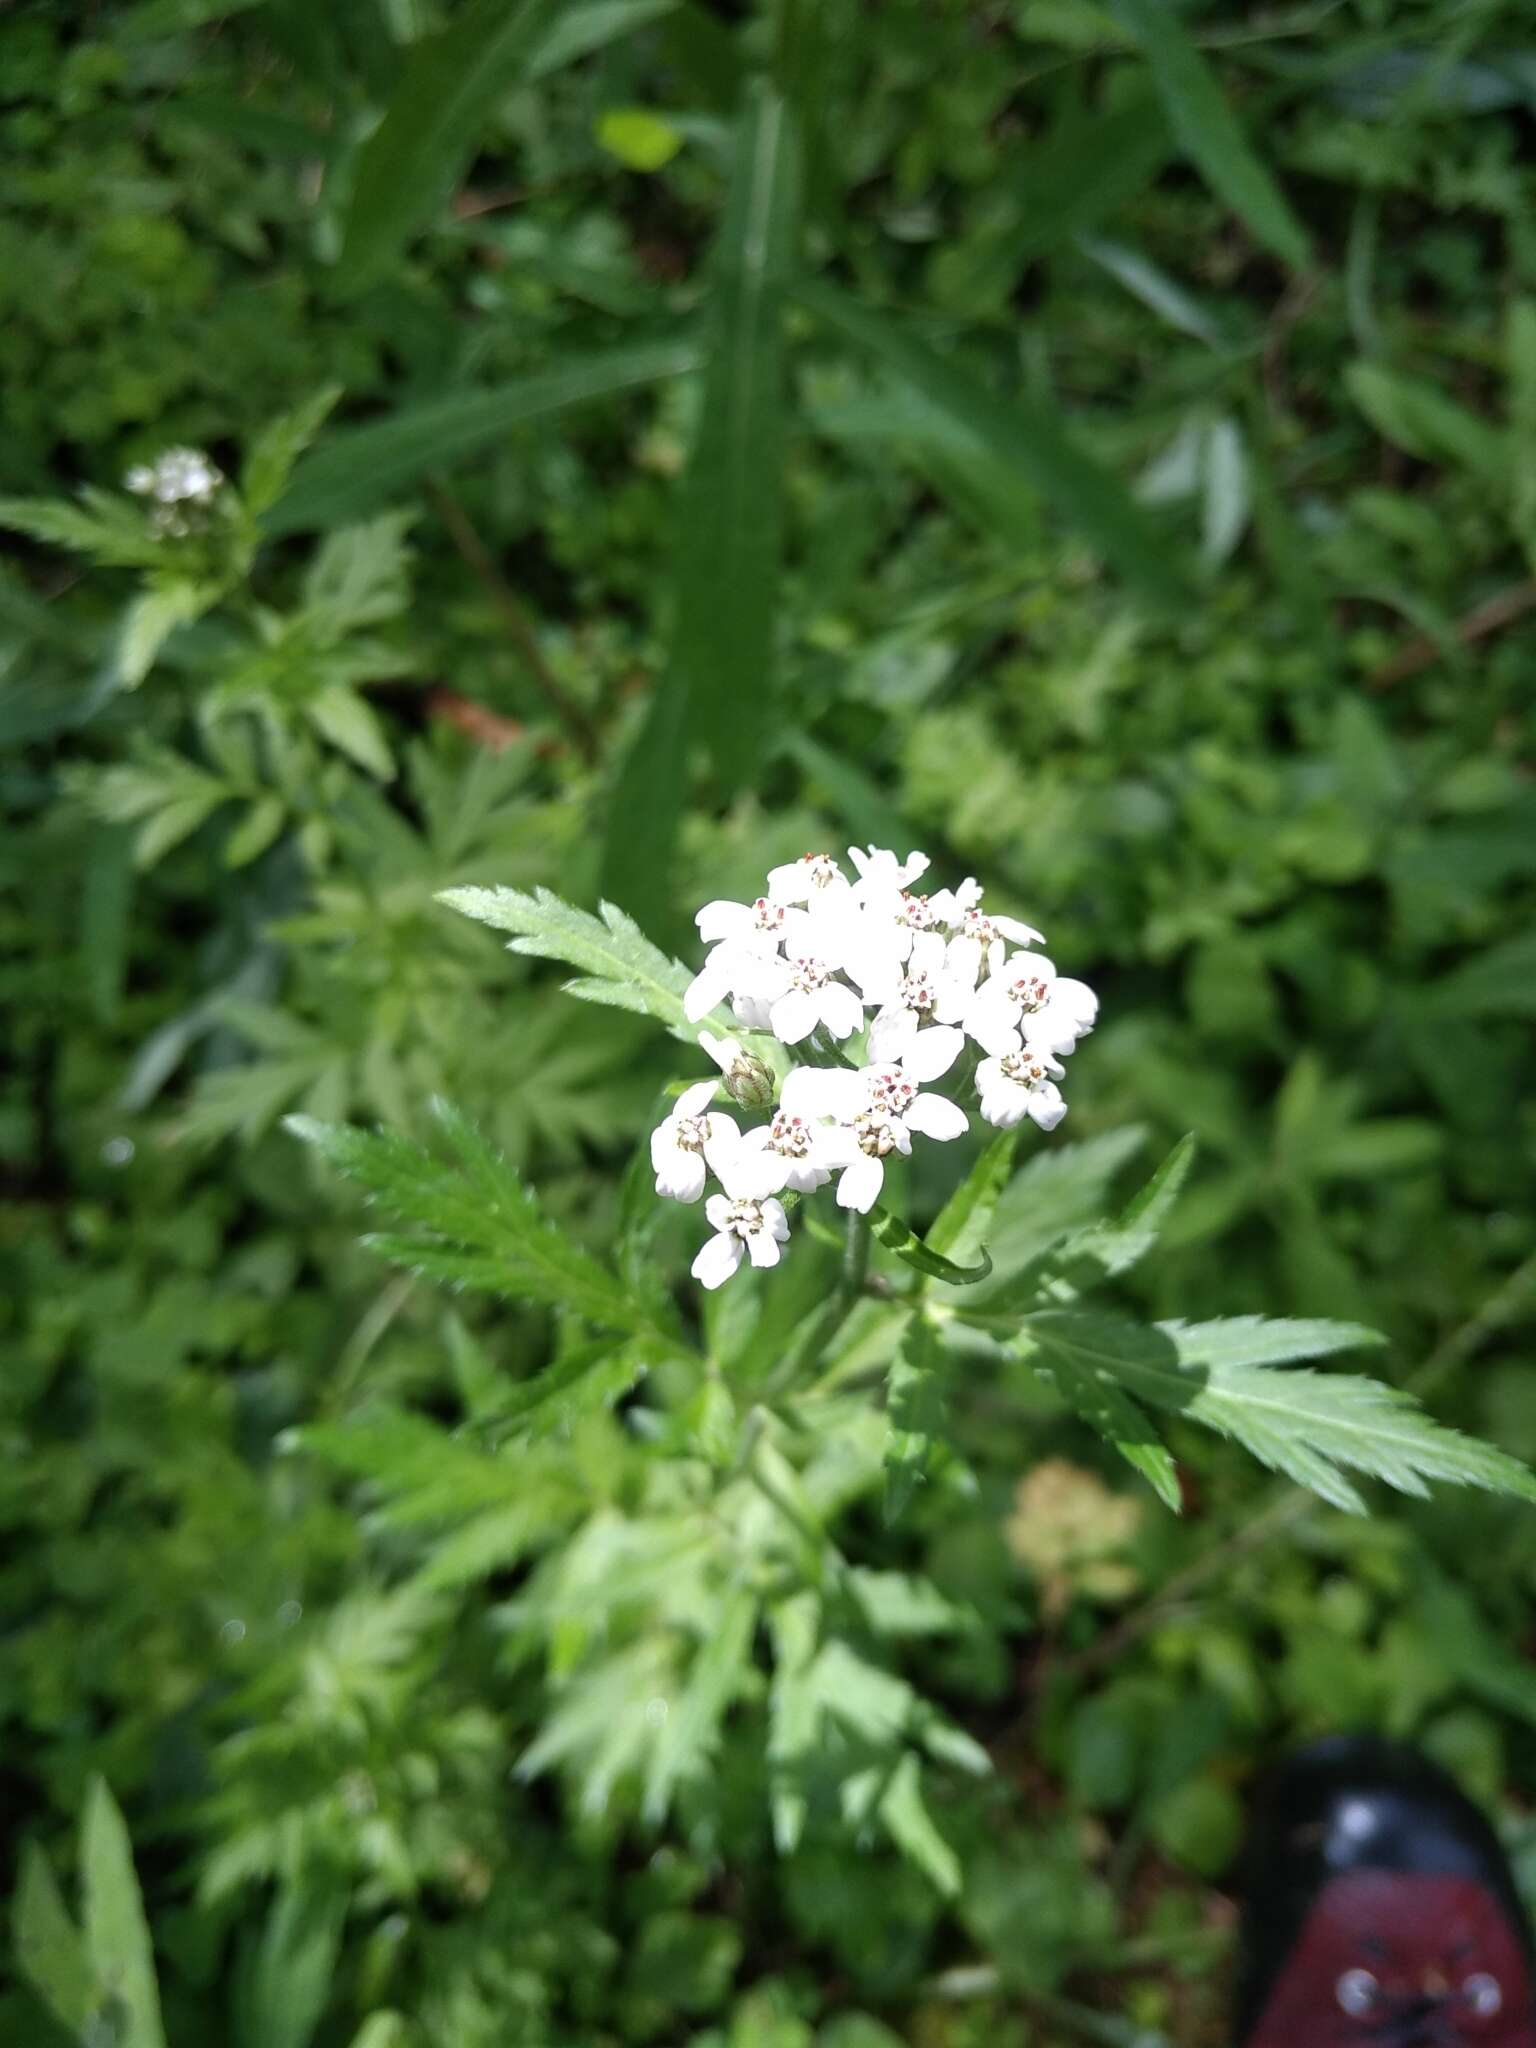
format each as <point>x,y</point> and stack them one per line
<point>182,485</point>
<point>885,990</point>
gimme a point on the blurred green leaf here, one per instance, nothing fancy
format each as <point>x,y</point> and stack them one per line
<point>116,1933</point>
<point>1017,434</point>
<point>357,470</point>
<point>1208,131</point>
<point>450,86</point>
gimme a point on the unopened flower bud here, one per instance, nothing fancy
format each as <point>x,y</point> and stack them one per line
<point>749,1081</point>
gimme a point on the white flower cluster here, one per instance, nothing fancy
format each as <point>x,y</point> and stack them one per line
<point>890,983</point>
<point>182,482</point>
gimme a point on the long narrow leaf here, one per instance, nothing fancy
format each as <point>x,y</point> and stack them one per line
<point>354,472</point>
<point>1020,436</point>
<point>1208,130</point>
<point>409,164</point>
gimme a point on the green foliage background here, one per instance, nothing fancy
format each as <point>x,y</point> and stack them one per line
<point>1093,443</point>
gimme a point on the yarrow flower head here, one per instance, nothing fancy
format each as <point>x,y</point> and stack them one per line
<point>182,484</point>
<point>860,992</point>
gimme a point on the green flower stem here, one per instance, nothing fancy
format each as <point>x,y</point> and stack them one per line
<point>840,1305</point>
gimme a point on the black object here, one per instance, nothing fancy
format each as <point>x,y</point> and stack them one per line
<point>1378,1908</point>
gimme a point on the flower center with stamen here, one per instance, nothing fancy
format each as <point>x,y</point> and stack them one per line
<point>1024,1069</point>
<point>788,1134</point>
<point>976,925</point>
<point>1029,992</point>
<point>890,1093</point>
<point>913,911</point>
<point>745,1219</point>
<point>808,975</point>
<point>766,916</point>
<point>917,994</point>
<point>875,1134</point>
<point>691,1133</point>
<point>821,868</point>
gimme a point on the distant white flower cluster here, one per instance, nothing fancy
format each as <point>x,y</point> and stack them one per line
<point>181,483</point>
<point>886,987</point>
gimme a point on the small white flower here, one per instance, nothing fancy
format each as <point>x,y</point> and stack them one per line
<point>746,1226</point>
<point>751,976</point>
<point>882,874</point>
<point>980,944</point>
<point>684,1141</point>
<point>758,926</point>
<point>1021,1083</point>
<point>812,998</point>
<point>1026,994</point>
<point>814,877</point>
<point>880,1109</point>
<point>923,991</point>
<point>178,478</point>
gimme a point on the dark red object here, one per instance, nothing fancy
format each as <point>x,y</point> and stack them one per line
<point>1379,1911</point>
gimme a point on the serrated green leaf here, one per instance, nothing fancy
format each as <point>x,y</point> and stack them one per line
<point>688,1739</point>
<point>110,530</point>
<point>340,715</point>
<point>1095,1394</point>
<point>150,621</point>
<point>116,1934</point>
<point>900,1238</point>
<point>1082,1259</point>
<point>912,1830</point>
<point>611,949</point>
<point>472,1222</point>
<point>1019,435</point>
<point>1208,130</point>
<point>916,1413</point>
<point>278,447</point>
<point>1311,1426</point>
<point>448,90</point>
<point>50,1951</point>
<point>960,1227</point>
<point>355,471</point>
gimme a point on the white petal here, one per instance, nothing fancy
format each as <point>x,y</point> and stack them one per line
<point>718,1260</point>
<point>927,956</point>
<point>723,919</point>
<point>725,1052</point>
<point>841,1010</point>
<point>963,960</point>
<point>803,1175</point>
<point>709,986</point>
<point>794,1016</point>
<point>818,1091</point>
<point>1077,1001</point>
<point>790,883</point>
<point>861,1183</point>
<point>1004,1105</point>
<point>681,1176</point>
<point>776,1220</point>
<point>718,1210</point>
<point>763,1248</point>
<point>1046,1106</point>
<point>752,1011</point>
<point>936,1117</point>
<point>751,1171</point>
<point>891,1034</point>
<point>932,1052</point>
<point>993,1025</point>
<point>692,1100</point>
<point>1023,934</point>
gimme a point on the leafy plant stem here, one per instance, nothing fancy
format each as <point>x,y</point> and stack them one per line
<point>477,556</point>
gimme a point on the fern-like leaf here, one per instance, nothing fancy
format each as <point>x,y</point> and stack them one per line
<point>1311,1426</point>
<point>472,1223</point>
<point>619,964</point>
